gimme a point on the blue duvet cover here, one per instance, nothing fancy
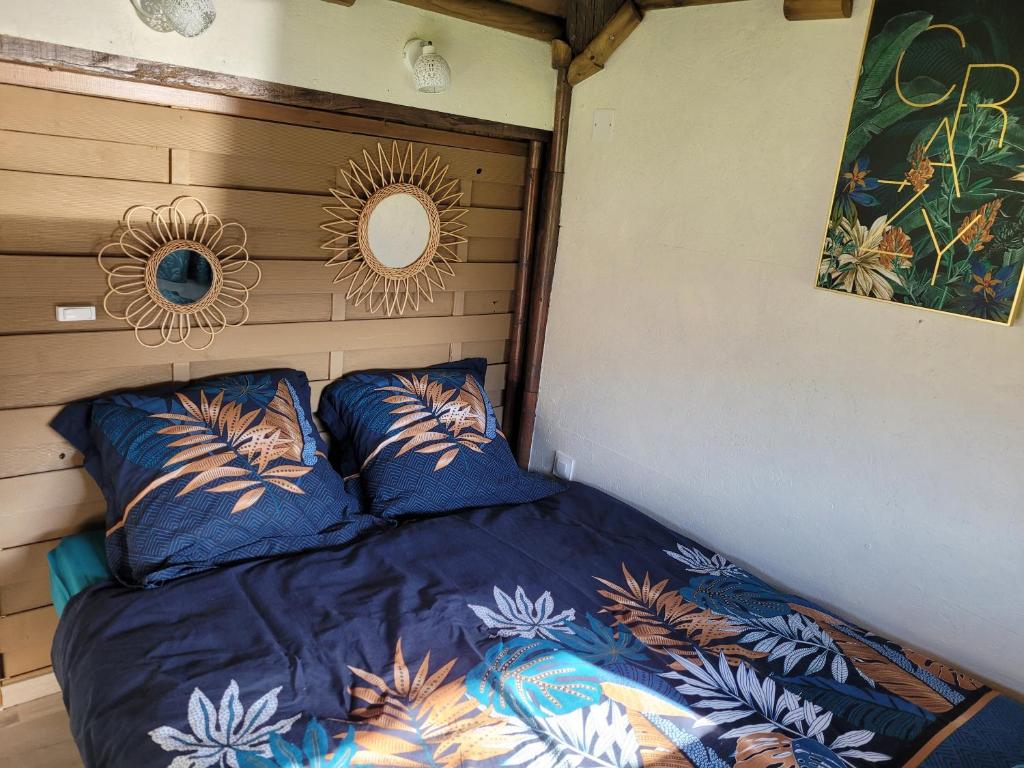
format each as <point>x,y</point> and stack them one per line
<point>572,631</point>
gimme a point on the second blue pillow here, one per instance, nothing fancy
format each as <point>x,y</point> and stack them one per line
<point>426,441</point>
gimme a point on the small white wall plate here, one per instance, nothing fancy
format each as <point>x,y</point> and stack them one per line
<point>75,314</point>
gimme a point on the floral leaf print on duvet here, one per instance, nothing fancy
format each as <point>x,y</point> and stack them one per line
<point>522,618</point>
<point>432,419</point>
<point>316,751</point>
<point>658,662</point>
<point>220,735</point>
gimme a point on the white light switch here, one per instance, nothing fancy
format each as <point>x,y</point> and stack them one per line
<point>75,314</point>
<point>564,465</point>
<point>604,125</point>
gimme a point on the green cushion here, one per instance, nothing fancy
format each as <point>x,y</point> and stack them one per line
<point>77,562</point>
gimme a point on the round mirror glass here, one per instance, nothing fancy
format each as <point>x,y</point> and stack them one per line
<point>398,230</point>
<point>184,276</point>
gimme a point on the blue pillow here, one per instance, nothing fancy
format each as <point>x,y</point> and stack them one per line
<point>208,472</point>
<point>426,441</point>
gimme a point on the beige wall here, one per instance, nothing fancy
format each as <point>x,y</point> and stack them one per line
<point>865,455</point>
<point>356,51</point>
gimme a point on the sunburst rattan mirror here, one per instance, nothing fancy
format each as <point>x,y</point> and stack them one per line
<point>395,230</point>
<point>179,271</point>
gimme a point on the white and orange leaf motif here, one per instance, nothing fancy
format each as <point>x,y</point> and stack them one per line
<point>225,452</point>
<point>432,419</point>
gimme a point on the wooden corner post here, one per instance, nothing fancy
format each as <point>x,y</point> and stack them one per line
<point>547,246</point>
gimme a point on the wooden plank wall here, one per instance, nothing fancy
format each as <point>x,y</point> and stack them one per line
<point>70,165</point>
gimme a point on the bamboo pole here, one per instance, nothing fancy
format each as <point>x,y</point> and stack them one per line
<point>520,304</point>
<point>809,10</point>
<point>544,267</point>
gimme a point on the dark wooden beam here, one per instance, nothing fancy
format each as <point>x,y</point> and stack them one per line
<point>494,13</point>
<point>80,60</point>
<point>809,10</point>
<point>652,5</point>
<point>544,260</point>
<point>557,8</point>
<point>599,50</point>
<point>586,18</point>
<point>521,297</point>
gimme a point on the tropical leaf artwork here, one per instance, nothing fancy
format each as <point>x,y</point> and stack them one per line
<point>928,209</point>
<point>227,449</point>
<point>434,419</point>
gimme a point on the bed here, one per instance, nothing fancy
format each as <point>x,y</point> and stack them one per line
<point>571,631</point>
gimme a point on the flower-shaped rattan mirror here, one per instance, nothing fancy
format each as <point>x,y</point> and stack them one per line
<point>395,230</point>
<point>178,270</point>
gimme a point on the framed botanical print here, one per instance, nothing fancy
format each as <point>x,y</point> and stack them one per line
<point>928,208</point>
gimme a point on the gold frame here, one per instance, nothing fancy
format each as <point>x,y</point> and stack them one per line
<point>373,283</point>
<point>131,263</point>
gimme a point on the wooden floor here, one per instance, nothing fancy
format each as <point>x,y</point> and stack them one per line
<point>36,735</point>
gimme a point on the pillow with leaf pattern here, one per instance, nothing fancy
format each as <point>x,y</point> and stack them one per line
<point>426,441</point>
<point>208,472</point>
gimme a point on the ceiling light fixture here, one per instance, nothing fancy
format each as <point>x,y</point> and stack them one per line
<point>431,72</point>
<point>186,17</point>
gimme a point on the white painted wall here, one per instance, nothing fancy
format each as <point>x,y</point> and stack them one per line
<point>865,455</point>
<point>355,51</point>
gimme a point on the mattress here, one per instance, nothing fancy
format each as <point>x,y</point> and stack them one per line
<point>573,631</point>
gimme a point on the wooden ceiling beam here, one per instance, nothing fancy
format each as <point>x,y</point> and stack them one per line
<point>807,10</point>
<point>497,14</point>
<point>557,8</point>
<point>653,5</point>
<point>599,50</point>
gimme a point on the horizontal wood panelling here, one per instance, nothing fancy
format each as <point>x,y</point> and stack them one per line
<point>219,170</point>
<point>495,351</point>
<point>29,445</point>
<point>32,286</point>
<point>397,357</point>
<point>68,214</point>
<point>47,506</point>
<point>31,314</point>
<point>303,277</point>
<point>82,157</point>
<point>37,111</point>
<point>23,688</point>
<point>24,577</point>
<point>488,195</point>
<point>26,390</point>
<point>316,365</point>
<point>81,351</point>
<point>488,302</point>
<point>441,306</point>
<point>70,166</point>
<point>25,640</point>
<point>491,249</point>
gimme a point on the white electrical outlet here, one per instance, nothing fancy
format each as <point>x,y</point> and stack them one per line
<point>603,128</point>
<point>75,314</point>
<point>564,465</point>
